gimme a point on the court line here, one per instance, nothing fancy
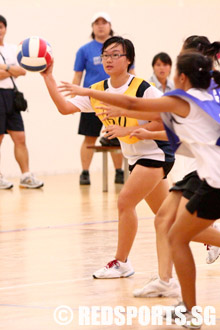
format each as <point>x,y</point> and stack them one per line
<point>44,283</point>
<point>51,282</point>
<point>19,286</point>
<point>64,226</point>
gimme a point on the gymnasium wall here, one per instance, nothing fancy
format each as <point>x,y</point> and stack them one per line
<point>152,25</point>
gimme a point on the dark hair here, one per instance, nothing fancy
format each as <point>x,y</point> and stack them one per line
<point>202,45</point>
<point>3,20</point>
<point>164,57</point>
<point>127,46</point>
<point>198,69</point>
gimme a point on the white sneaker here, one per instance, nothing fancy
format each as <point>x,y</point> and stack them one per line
<point>5,184</point>
<point>189,318</point>
<point>158,288</point>
<point>115,269</point>
<point>213,251</point>
<point>190,324</point>
<point>31,182</point>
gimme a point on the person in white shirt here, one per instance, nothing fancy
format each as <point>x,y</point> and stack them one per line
<point>164,284</point>
<point>11,121</point>
<point>192,118</point>
<point>162,65</point>
<point>149,160</point>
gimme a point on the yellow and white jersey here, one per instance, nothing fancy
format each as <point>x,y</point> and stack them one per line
<point>132,148</point>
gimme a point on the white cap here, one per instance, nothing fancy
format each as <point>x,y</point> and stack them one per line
<point>101,15</point>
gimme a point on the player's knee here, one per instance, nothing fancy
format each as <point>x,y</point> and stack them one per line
<point>124,201</point>
<point>158,222</point>
<point>172,238</point>
<point>161,223</point>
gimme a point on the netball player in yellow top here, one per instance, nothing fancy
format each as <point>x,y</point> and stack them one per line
<point>149,160</point>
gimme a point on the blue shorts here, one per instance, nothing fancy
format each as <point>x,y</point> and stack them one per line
<point>10,118</point>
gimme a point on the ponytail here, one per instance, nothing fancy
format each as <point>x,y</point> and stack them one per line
<point>216,76</point>
<point>213,50</point>
<point>197,68</point>
<point>202,45</point>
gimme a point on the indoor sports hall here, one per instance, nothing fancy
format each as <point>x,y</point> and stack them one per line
<point>54,238</point>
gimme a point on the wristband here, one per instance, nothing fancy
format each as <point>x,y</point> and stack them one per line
<point>7,68</point>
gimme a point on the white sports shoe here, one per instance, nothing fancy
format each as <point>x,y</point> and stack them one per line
<point>115,269</point>
<point>158,288</point>
<point>5,184</point>
<point>213,251</point>
<point>31,182</point>
<point>189,318</point>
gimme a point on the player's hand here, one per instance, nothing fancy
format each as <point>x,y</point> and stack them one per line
<point>71,89</point>
<point>141,134</point>
<point>114,131</point>
<point>109,111</point>
<point>49,69</point>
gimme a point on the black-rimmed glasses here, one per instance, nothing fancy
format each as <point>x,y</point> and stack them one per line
<point>111,56</point>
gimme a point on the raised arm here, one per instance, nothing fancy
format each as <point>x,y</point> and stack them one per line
<point>63,106</point>
<point>77,78</point>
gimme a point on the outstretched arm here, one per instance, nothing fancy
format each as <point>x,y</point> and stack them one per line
<point>114,131</point>
<point>63,106</point>
<point>162,104</point>
<point>110,111</point>
<point>144,134</point>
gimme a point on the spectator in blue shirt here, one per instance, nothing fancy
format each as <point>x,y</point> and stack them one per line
<point>88,59</point>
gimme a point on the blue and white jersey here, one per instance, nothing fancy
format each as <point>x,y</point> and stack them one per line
<point>214,91</point>
<point>198,134</point>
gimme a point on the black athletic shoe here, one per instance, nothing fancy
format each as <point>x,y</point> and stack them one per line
<point>84,178</point>
<point>109,143</point>
<point>119,176</point>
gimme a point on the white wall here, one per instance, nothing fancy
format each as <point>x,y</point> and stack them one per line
<point>152,25</point>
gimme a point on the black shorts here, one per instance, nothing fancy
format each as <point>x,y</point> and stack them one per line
<point>10,118</point>
<point>206,201</point>
<point>167,166</point>
<point>188,185</point>
<point>90,124</point>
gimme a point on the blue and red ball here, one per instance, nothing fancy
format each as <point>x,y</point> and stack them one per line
<point>34,54</point>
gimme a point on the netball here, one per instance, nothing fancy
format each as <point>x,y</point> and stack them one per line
<point>34,54</point>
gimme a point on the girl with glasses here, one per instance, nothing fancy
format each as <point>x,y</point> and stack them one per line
<point>149,160</point>
<point>193,119</point>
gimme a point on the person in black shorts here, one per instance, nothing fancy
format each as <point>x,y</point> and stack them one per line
<point>10,119</point>
<point>88,60</point>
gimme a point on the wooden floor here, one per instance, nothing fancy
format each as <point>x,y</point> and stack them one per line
<point>53,239</point>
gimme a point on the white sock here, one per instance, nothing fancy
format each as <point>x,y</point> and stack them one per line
<point>25,175</point>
